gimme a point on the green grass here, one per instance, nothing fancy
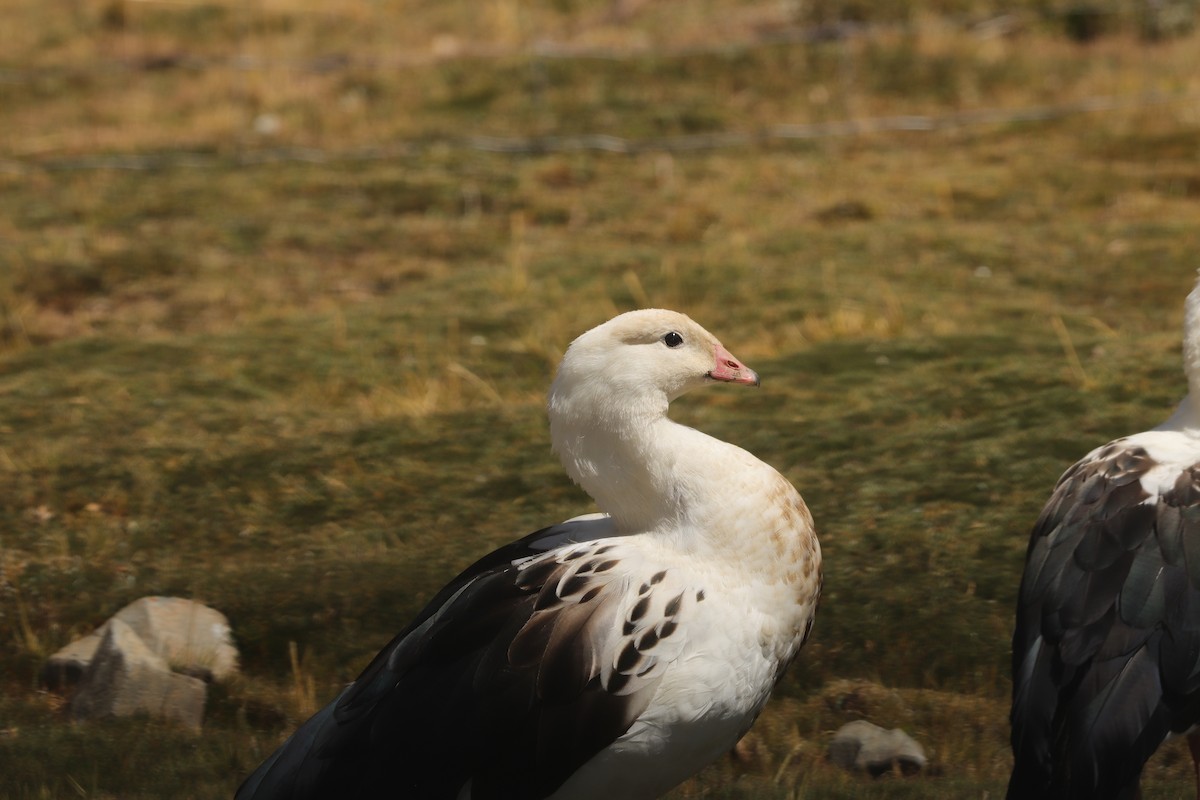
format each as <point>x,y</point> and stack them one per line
<point>306,392</point>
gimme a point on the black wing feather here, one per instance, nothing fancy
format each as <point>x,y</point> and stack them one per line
<point>457,696</point>
<point>1106,650</point>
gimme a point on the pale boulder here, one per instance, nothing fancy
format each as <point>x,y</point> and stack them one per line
<point>125,677</point>
<point>865,747</point>
<point>191,637</point>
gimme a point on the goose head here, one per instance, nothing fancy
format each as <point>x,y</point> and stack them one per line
<point>630,368</point>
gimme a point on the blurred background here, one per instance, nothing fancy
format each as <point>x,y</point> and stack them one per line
<point>283,284</point>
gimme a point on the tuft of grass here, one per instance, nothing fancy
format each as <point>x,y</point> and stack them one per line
<point>304,688</point>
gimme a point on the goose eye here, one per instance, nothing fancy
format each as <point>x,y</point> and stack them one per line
<point>672,339</point>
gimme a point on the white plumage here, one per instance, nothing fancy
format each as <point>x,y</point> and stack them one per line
<point>610,656</point>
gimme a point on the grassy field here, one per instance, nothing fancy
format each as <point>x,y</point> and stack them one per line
<point>276,327</point>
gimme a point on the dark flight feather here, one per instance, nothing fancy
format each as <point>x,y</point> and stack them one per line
<point>521,639</point>
<point>1106,650</point>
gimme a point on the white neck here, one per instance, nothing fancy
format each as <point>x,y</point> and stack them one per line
<point>693,493</point>
<point>1191,342</point>
<point>652,474</point>
<point>1186,417</point>
<point>644,474</point>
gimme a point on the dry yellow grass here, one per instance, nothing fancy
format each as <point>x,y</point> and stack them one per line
<point>275,333</point>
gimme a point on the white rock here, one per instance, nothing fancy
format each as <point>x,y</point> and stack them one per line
<point>267,124</point>
<point>863,746</point>
<point>193,639</point>
<point>190,636</point>
<point>125,678</point>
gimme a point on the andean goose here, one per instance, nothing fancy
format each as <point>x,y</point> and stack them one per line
<point>1106,653</point>
<point>610,656</point>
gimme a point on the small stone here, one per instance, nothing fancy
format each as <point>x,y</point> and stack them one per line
<point>866,747</point>
<point>267,124</point>
<point>193,639</point>
<point>125,677</point>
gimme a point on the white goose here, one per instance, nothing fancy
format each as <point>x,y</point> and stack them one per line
<point>611,656</point>
<point>1106,652</point>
